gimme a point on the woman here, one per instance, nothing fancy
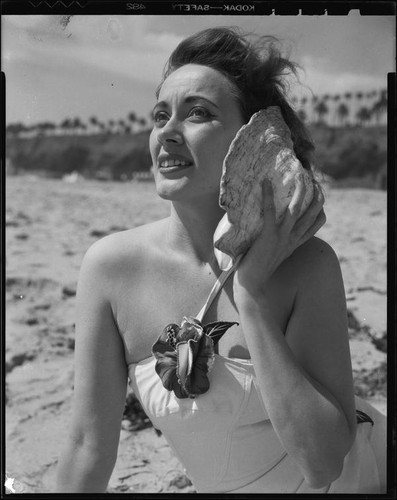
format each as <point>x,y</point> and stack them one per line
<point>277,413</point>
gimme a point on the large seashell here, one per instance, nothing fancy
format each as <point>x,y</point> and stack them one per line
<point>262,149</point>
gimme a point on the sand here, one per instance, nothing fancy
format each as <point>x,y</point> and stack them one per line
<point>49,226</point>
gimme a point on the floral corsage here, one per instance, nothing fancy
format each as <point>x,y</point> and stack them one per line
<point>185,355</point>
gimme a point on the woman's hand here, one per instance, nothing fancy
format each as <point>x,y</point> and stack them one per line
<point>302,366</point>
<point>277,240</point>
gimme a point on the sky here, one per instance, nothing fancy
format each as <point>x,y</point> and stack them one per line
<point>110,65</point>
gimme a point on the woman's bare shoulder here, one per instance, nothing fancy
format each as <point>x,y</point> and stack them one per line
<point>313,261</point>
<point>126,247</point>
<point>315,250</point>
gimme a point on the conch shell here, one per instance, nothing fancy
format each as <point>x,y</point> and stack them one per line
<point>262,149</point>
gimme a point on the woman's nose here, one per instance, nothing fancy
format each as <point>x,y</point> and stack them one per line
<point>170,134</point>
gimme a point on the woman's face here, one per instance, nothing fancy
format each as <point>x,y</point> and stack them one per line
<point>195,120</point>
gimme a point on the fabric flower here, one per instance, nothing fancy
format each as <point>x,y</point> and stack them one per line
<point>185,355</point>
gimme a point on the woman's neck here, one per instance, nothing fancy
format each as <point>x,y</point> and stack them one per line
<point>191,230</point>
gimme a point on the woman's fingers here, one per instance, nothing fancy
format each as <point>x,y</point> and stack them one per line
<point>299,227</point>
<point>315,205</point>
<point>309,216</point>
<point>295,205</point>
<point>294,209</point>
<point>268,210</point>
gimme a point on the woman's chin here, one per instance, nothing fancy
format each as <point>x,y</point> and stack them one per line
<point>172,191</point>
<point>185,190</point>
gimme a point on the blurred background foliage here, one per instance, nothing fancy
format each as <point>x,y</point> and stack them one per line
<point>349,132</point>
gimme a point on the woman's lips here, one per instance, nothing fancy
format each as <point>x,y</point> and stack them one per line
<point>173,165</point>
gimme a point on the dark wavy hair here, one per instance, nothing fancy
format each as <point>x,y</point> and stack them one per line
<point>256,69</point>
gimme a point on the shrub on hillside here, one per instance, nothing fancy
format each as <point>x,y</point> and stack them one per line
<point>73,159</point>
<point>358,153</point>
<point>354,159</point>
<point>66,160</point>
<point>381,179</point>
<point>20,160</point>
<point>42,161</point>
<point>134,161</point>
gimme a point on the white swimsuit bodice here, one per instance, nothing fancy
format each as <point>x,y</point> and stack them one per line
<point>224,438</point>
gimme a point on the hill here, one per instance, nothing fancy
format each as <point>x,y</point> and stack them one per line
<point>350,156</point>
<point>106,156</point>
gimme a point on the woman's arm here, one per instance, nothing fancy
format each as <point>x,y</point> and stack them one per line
<point>305,375</point>
<point>88,459</point>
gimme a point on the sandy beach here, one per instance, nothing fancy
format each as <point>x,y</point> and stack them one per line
<point>49,226</point>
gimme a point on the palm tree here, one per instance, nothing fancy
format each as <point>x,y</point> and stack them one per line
<point>66,125</point>
<point>110,126</point>
<point>376,112</point>
<point>78,125</point>
<point>302,115</point>
<point>132,119</point>
<point>314,104</point>
<point>380,106</point>
<point>322,110</point>
<point>142,122</point>
<point>363,115</point>
<point>94,122</point>
<point>358,96</point>
<point>303,101</point>
<point>383,97</point>
<point>102,126</point>
<point>342,112</point>
<point>122,126</point>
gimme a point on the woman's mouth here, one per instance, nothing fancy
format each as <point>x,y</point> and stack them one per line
<point>173,165</point>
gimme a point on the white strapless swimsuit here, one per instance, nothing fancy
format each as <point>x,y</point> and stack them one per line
<point>226,442</point>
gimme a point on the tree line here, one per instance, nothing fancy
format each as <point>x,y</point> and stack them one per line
<point>338,110</point>
<point>76,126</point>
<point>354,109</point>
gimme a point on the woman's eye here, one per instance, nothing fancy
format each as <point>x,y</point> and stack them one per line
<point>160,117</point>
<point>200,112</point>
